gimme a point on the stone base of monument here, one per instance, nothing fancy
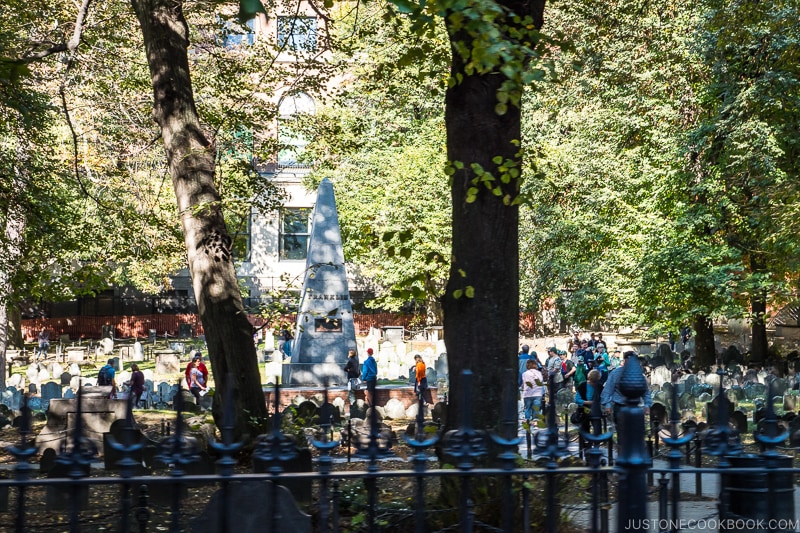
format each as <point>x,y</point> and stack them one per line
<point>313,374</point>
<point>98,413</point>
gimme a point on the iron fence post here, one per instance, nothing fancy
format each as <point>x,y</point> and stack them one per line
<point>633,460</point>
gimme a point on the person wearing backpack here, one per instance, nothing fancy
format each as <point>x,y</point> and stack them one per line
<point>580,373</point>
<point>106,377</point>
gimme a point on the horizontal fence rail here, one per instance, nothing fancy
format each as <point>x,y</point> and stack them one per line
<point>464,479</point>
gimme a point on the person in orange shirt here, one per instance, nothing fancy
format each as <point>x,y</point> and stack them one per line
<point>421,383</point>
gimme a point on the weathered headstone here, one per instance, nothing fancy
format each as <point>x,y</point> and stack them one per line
<point>395,409</point>
<point>119,434</point>
<point>50,391</point>
<point>778,386</point>
<point>167,363</point>
<point>66,379</point>
<point>731,354</point>
<point>755,390</point>
<point>739,421</point>
<point>253,512</point>
<point>301,462</point>
<point>138,352</point>
<point>790,402</point>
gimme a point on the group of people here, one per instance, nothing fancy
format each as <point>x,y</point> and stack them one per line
<point>368,377</point>
<point>196,374</point>
<point>585,367</point>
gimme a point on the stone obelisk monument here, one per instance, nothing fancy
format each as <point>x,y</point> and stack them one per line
<point>325,329</point>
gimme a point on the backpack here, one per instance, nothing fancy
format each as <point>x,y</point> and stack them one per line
<point>580,374</point>
<point>104,376</point>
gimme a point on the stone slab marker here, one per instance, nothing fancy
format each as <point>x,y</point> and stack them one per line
<point>325,328</point>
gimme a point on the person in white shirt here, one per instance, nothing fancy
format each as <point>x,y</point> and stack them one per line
<point>532,390</point>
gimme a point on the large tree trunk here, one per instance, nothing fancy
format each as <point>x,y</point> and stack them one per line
<point>481,303</point>
<point>190,155</point>
<point>13,234</point>
<point>705,350</point>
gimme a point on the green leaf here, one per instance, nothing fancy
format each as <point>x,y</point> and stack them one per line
<point>404,6</point>
<point>248,9</point>
<point>470,291</point>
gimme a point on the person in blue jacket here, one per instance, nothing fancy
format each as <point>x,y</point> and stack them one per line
<point>369,375</point>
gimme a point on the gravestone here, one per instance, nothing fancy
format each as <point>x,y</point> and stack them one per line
<point>12,398</point>
<point>663,356</point>
<point>564,397</point>
<point>661,397</point>
<point>755,390</point>
<point>712,379</point>
<point>119,433</point>
<point>167,363</point>
<point>301,462</point>
<point>47,461</point>
<point>704,397</point>
<point>184,331</point>
<point>702,388</point>
<point>667,389</point>
<point>138,352</point>
<point>739,421</point>
<point>658,414</point>
<point>660,375</point>
<point>166,392</point>
<point>789,402</point>
<point>50,391</point>
<point>441,366</point>
<point>106,346</point>
<point>66,379</point>
<point>14,381</point>
<point>60,497</point>
<point>126,353</point>
<point>35,403</point>
<point>731,355</point>
<point>325,328</point>
<point>395,409</point>
<point>779,386</point>
<point>253,511</point>
<point>735,394</point>
<point>33,389</point>
<point>75,355</point>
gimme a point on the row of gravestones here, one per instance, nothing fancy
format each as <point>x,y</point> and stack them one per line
<point>41,372</point>
<point>156,396</point>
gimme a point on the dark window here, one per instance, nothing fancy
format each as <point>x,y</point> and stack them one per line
<point>298,34</point>
<point>294,232</point>
<point>241,236</point>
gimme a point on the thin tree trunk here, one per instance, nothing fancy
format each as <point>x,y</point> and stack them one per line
<point>704,347</point>
<point>190,156</point>
<point>758,308</point>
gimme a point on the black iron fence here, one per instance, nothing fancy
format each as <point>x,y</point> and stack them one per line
<point>462,480</point>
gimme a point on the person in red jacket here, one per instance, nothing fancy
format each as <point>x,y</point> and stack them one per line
<point>198,357</point>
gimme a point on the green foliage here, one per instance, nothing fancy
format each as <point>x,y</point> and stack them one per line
<point>381,141</point>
